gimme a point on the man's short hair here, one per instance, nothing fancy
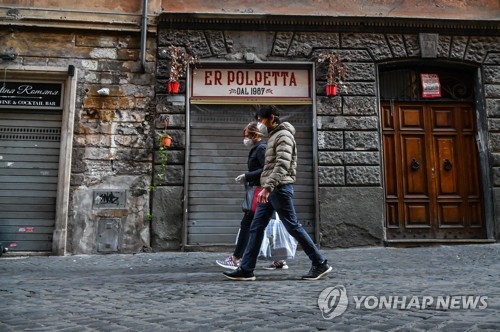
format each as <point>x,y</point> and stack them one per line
<point>266,112</point>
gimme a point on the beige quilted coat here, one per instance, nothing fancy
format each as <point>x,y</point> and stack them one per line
<point>281,157</point>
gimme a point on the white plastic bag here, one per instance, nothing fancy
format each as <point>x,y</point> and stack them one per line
<point>277,244</point>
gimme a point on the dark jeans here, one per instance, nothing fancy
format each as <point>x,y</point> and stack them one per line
<point>281,201</point>
<point>241,244</point>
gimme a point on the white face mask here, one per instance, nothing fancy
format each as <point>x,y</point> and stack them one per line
<point>262,128</point>
<point>247,142</point>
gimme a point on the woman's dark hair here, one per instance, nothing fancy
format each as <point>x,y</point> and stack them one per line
<point>266,112</point>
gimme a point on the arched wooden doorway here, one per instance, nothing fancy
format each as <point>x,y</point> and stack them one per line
<point>432,173</point>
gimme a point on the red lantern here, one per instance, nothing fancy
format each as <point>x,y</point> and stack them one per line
<point>172,87</point>
<point>331,90</point>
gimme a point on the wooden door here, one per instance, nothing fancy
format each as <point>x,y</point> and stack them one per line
<point>432,178</point>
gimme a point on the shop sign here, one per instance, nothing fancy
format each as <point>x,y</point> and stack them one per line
<point>431,87</point>
<point>251,83</point>
<point>31,95</point>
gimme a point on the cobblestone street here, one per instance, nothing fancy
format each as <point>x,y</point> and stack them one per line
<point>174,291</point>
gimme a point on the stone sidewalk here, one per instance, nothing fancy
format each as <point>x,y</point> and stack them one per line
<point>175,291</point>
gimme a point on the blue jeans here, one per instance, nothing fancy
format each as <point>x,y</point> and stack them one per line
<point>281,201</point>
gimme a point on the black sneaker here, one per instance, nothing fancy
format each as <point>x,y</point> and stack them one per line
<point>239,275</point>
<point>318,271</point>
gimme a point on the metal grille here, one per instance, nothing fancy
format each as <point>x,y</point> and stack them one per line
<point>30,133</point>
<point>217,156</point>
<point>404,84</point>
<point>29,162</point>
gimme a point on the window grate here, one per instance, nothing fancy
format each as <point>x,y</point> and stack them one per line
<point>405,85</point>
<point>30,134</point>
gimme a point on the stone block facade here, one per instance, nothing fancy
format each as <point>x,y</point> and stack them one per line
<point>351,193</point>
<point>114,141</point>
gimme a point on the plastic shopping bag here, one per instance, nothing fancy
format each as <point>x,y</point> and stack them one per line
<point>277,244</point>
<point>237,236</point>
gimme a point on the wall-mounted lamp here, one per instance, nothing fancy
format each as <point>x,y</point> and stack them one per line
<point>103,92</point>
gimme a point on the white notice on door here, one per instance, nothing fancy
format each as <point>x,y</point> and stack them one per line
<point>431,87</point>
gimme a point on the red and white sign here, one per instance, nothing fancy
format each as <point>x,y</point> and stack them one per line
<point>431,87</point>
<point>251,83</point>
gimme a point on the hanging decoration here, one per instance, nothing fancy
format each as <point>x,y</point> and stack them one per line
<point>179,63</point>
<point>335,73</point>
<point>165,138</point>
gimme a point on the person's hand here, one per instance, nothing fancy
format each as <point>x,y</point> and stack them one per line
<point>263,196</point>
<point>240,178</point>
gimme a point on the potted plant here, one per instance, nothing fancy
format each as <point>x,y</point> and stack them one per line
<point>165,139</point>
<point>179,63</point>
<point>164,142</point>
<point>160,176</point>
<point>336,71</point>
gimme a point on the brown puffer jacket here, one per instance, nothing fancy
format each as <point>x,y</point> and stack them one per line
<point>281,157</point>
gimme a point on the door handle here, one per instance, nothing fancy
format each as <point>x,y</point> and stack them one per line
<point>447,165</point>
<point>415,165</point>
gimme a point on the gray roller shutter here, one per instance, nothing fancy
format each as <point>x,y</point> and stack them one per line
<point>217,156</point>
<point>29,161</point>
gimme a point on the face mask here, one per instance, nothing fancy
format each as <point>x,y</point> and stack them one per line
<point>262,128</point>
<point>247,142</point>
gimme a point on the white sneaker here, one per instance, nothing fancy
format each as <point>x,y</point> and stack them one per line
<point>228,263</point>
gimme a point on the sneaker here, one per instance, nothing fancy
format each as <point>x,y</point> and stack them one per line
<point>318,271</point>
<point>277,265</point>
<point>228,263</point>
<point>239,275</point>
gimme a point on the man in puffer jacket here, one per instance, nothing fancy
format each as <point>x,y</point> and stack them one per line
<point>277,178</point>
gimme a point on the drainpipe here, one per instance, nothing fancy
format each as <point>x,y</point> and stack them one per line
<point>144,31</point>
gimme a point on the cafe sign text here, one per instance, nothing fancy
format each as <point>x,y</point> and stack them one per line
<point>251,83</point>
<point>32,95</point>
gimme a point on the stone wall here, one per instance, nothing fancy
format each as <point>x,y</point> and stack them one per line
<point>491,78</point>
<point>167,210</point>
<point>112,147</point>
<point>113,141</point>
<point>351,195</point>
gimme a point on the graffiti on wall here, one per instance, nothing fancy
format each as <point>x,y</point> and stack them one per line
<point>109,199</point>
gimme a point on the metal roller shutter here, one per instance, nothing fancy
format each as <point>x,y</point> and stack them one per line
<point>29,161</point>
<point>217,156</point>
